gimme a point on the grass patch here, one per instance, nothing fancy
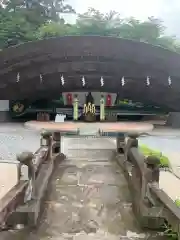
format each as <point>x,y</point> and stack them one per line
<point>177,202</point>
<point>146,151</point>
<point>168,231</point>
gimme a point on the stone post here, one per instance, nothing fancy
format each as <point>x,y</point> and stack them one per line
<point>152,173</point>
<point>151,176</point>
<point>46,141</point>
<point>131,142</point>
<point>26,158</point>
<point>120,143</point>
<point>57,141</point>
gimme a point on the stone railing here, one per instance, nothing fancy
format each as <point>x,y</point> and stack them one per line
<point>152,206</point>
<point>23,203</point>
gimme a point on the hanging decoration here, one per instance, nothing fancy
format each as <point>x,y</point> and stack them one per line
<point>83,81</point>
<point>102,81</point>
<point>123,81</point>
<point>62,80</point>
<point>41,78</point>
<point>169,81</point>
<point>18,77</point>
<point>148,81</point>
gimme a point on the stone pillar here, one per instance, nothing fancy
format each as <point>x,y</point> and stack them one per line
<point>102,108</point>
<point>152,164</point>
<point>46,141</point>
<point>26,158</point>
<point>132,141</point>
<point>57,141</point>
<point>120,143</point>
<point>151,176</point>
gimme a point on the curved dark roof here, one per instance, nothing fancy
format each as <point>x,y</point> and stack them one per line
<point>91,57</point>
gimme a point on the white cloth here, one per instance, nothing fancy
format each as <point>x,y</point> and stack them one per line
<point>60,118</point>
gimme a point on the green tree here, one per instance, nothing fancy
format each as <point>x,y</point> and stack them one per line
<point>55,7</point>
<point>20,20</point>
<point>151,31</point>
<point>55,29</point>
<point>27,20</point>
<point>147,31</point>
<point>39,9</point>
<point>93,22</point>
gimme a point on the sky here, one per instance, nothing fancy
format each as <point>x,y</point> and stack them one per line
<point>167,10</point>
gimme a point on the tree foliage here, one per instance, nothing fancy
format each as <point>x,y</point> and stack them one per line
<point>28,20</point>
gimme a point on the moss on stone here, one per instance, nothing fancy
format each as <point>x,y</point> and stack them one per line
<point>146,151</point>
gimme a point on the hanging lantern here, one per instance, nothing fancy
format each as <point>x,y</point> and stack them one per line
<point>69,99</point>
<point>108,100</point>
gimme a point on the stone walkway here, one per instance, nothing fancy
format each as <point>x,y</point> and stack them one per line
<point>90,197</point>
<point>80,172</point>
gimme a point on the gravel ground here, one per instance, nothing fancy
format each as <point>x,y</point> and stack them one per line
<point>15,138</point>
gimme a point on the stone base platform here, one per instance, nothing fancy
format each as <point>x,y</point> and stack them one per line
<point>81,128</point>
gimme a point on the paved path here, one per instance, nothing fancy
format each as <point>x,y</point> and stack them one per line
<point>90,197</point>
